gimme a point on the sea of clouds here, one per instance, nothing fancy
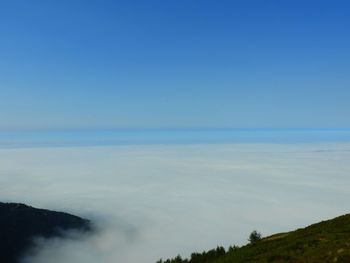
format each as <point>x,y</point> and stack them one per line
<point>157,201</point>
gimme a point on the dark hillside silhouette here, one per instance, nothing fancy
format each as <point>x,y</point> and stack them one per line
<point>19,223</point>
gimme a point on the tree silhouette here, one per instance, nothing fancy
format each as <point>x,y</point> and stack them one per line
<point>254,237</point>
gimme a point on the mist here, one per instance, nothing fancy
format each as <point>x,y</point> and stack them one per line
<point>156,201</point>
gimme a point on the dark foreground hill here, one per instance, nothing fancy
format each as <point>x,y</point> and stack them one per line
<point>327,241</point>
<point>19,223</point>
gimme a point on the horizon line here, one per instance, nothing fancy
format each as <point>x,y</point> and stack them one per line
<point>154,129</point>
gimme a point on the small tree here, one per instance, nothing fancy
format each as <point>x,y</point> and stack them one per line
<point>254,237</point>
<point>233,248</point>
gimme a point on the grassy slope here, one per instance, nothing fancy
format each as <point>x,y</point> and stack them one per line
<point>327,241</point>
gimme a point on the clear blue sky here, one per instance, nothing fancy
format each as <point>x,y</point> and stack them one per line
<point>174,64</point>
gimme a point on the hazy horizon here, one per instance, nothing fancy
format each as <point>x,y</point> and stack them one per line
<point>93,137</point>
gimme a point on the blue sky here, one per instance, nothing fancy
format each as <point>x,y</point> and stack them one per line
<point>174,64</point>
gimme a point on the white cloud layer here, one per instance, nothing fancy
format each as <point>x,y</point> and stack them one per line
<point>161,200</point>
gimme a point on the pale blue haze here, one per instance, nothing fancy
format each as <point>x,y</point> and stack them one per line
<point>62,138</point>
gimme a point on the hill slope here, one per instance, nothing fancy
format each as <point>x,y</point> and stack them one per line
<point>327,241</point>
<point>19,223</point>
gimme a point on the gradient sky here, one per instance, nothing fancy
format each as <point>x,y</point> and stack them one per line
<point>174,64</point>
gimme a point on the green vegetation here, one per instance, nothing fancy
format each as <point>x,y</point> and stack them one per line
<point>254,237</point>
<point>327,241</point>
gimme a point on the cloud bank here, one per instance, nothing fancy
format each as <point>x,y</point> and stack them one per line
<point>158,201</point>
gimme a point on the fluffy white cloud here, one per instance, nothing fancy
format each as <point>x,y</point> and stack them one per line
<point>160,200</point>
